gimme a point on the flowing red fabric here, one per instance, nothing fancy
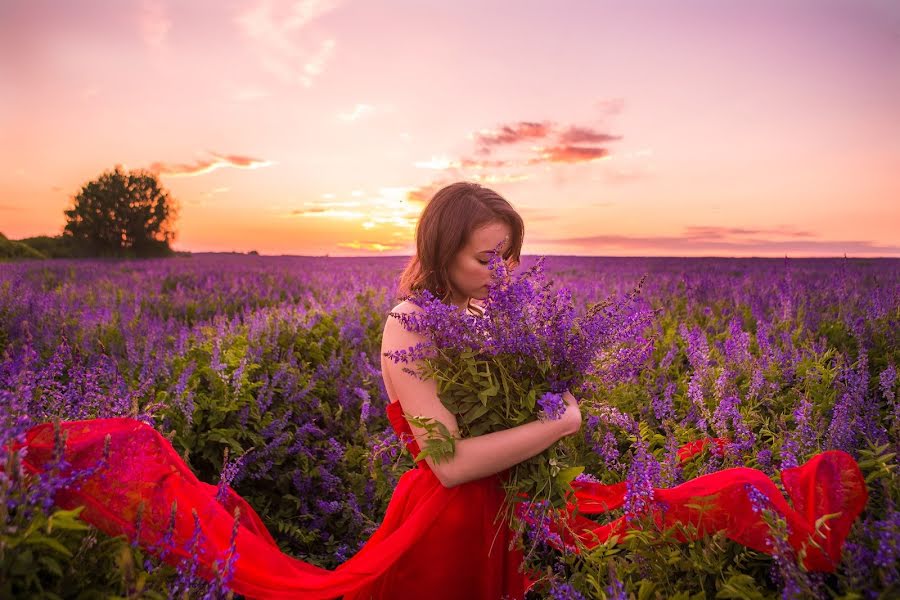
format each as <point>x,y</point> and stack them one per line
<point>433,541</point>
<point>829,486</point>
<point>439,542</point>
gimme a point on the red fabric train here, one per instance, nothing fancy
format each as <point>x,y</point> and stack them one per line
<point>436,541</point>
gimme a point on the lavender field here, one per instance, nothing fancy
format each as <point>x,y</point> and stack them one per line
<point>264,372</point>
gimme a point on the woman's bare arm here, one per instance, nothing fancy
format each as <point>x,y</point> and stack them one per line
<point>478,456</point>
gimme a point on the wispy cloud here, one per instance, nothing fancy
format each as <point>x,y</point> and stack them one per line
<point>569,154</point>
<point>371,246</point>
<point>586,135</point>
<point>511,134</point>
<point>524,145</point>
<point>711,232</point>
<point>440,163</point>
<point>328,213</point>
<point>495,178</point>
<point>740,242</point>
<point>388,207</point>
<point>357,113</point>
<point>574,143</point>
<point>203,166</point>
<point>274,29</point>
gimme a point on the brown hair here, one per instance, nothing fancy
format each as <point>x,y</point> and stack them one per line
<point>444,228</point>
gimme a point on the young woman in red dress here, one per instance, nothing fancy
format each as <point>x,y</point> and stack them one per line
<point>463,552</point>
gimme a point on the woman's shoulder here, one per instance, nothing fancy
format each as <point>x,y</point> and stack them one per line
<point>395,333</point>
<point>406,307</point>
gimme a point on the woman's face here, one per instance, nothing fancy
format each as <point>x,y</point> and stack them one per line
<point>469,273</point>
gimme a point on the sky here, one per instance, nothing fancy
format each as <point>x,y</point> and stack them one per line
<point>638,128</point>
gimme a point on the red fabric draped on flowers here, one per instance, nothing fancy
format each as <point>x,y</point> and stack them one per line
<point>829,486</point>
<point>433,539</point>
<point>145,475</point>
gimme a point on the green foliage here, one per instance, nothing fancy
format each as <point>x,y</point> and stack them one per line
<point>485,397</point>
<point>57,555</point>
<point>440,444</point>
<point>55,247</point>
<point>122,214</point>
<point>226,414</point>
<point>878,463</point>
<point>13,250</point>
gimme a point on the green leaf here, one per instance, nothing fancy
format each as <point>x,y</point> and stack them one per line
<point>740,585</point>
<point>67,519</point>
<point>646,589</point>
<point>41,540</point>
<point>565,476</point>
<point>51,564</point>
<point>478,411</point>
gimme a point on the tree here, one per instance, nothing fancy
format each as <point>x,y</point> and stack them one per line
<point>122,214</point>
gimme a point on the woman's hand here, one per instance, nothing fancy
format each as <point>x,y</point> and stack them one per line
<point>572,415</point>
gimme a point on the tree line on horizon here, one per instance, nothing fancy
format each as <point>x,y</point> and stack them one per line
<point>117,215</point>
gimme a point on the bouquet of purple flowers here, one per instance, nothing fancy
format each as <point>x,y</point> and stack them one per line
<point>512,365</point>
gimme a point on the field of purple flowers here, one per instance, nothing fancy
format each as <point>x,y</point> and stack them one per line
<point>264,373</point>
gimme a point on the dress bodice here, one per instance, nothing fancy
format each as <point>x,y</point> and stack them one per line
<point>403,431</point>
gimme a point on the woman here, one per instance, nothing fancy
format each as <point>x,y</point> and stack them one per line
<point>464,553</point>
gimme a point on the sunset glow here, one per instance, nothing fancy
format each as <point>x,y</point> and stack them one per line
<point>656,128</point>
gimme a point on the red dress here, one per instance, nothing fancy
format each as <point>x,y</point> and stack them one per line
<point>462,553</point>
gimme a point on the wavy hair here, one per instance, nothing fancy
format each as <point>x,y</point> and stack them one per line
<point>444,228</point>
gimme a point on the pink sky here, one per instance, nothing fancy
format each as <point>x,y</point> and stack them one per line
<point>764,128</point>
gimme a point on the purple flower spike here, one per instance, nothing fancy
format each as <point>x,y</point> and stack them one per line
<point>553,406</point>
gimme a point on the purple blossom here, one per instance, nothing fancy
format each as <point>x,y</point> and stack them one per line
<point>663,408</point>
<point>552,406</point>
<point>616,588</point>
<point>737,345</point>
<point>563,590</point>
<point>643,474</point>
<point>886,383</point>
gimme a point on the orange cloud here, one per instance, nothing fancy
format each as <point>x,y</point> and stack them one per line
<point>706,232</point>
<point>201,167</point>
<point>421,195</point>
<point>573,144</point>
<point>387,208</point>
<point>470,163</point>
<point>586,135</point>
<point>683,246</point>
<point>492,179</point>
<point>371,246</point>
<point>569,154</point>
<point>512,134</point>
